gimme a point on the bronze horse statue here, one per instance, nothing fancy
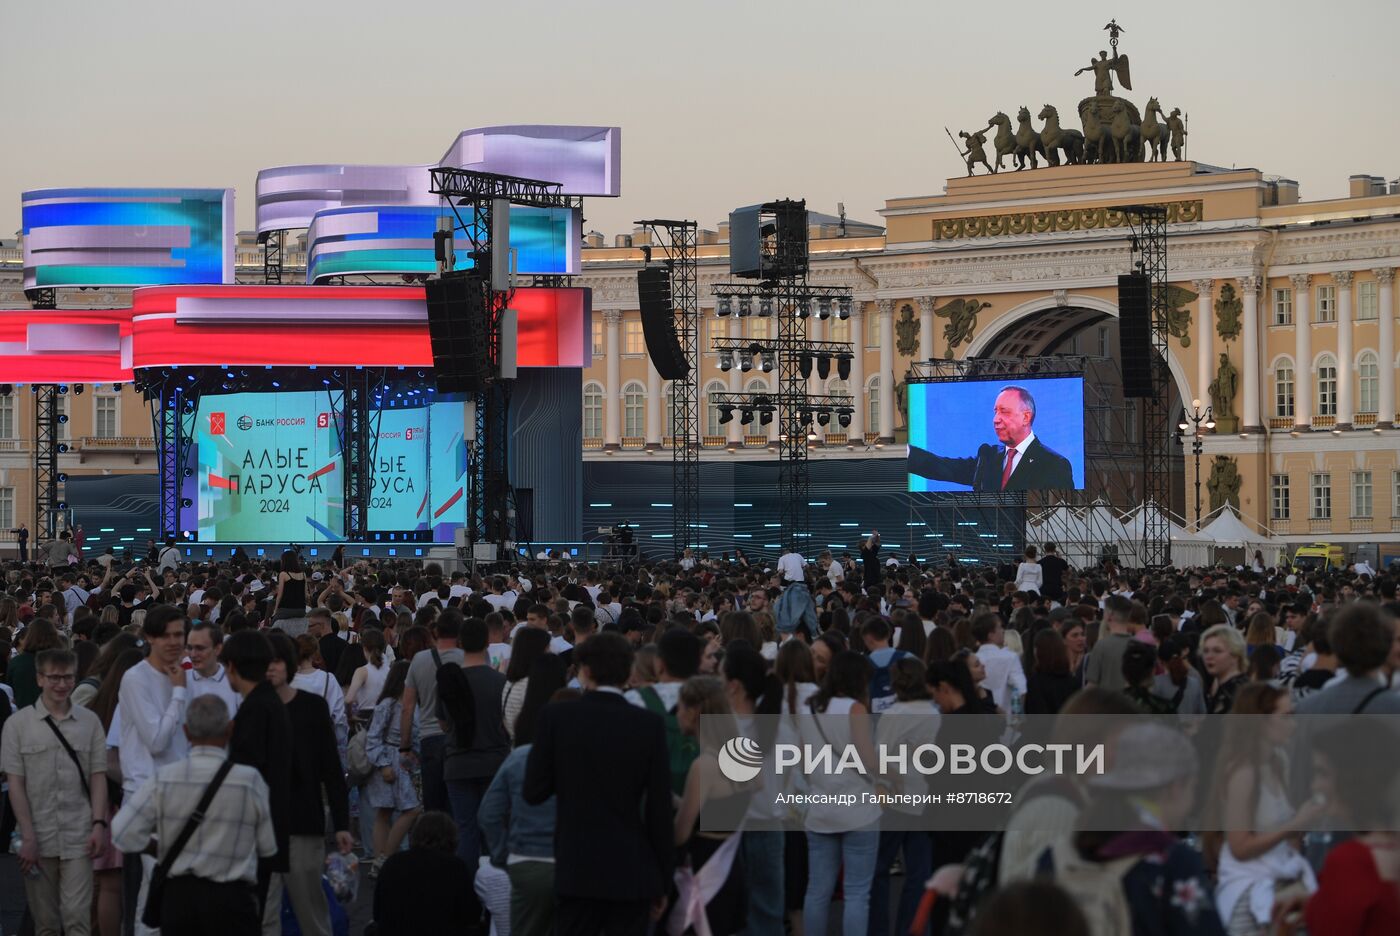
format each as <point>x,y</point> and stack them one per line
<point>1097,147</point>
<point>1053,139</point>
<point>1127,137</point>
<point>1027,140</point>
<point>1154,134</point>
<point>1005,140</point>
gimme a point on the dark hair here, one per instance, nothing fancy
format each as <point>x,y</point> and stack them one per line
<point>680,650</point>
<point>373,643</point>
<point>55,656</point>
<point>984,625</point>
<point>907,678</point>
<point>104,704</point>
<point>475,635</point>
<point>286,649</point>
<point>1051,654</point>
<point>449,625</point>
<point>940,645</point>
<point>547,676</point>
<point>394,681</point>
<point>157,620</point>
<point>529,645</point>
<point>1361,636</point>
<point>744,664</point>
<point>248,654</point>
<point>608,657</point>
<point>216,635</point>
<point>414,640</point>
<point>953,673</point>
<point>739,625</point>
<point>793,666</point>
<point>1139,662</point>
<point>86,653</point>
<point>307,648</point>
<point>435,831</point>
<point>1263,662</point>
<point>848,676</point>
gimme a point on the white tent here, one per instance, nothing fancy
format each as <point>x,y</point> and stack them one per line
<point>1228,530</point>
<point>1188,549</point>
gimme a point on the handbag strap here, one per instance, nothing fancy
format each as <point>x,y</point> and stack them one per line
<point>82,776</point>
<point>196,818</point>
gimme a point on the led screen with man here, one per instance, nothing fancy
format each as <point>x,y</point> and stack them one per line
<point>1021,462</point>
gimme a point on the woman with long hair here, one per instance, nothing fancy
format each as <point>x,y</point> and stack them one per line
<point>289,601</point>
<point>1223,658</point>
<point>88,688</point>
<point>308,678</point>
<point>367,684</point>
<point>841,837</point>
<point>704,697</point>
<point>42,634</point>
<point>1076,647</point>
<point>107,867</point>
<point>529,645</point>
<point>824,649</point>
<point>795,670</point>
<point>390,787</point>
<point>1051,682</point>
<point>1249,797</point>
<point>940,645</point>
<point>1260,632</point>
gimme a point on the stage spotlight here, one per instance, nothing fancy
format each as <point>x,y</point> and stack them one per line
<point>62,477</point>
<point>33,388</point>
<point>63,388</point>
<point>116,388</point>
<point>6,389</point>
<point>724,305</point>
<point>844,418</point>
<point>767,365</point>
<point>765,417</point>
<point>823,366</point>
<point>805,307</point>
<point>62,505</point>
<point>726,414</point>
<point>745,306</point>
<point>189,472</point>
<point>843,308</point>
<point>62,418</point>
<point>745,363</point>
<point>78,388</point>
<point>765,307</point>
<point>62,448</point>
<point>843,366</point>
<point>745,416</point>
<point>824,309</point>
<point>824,417</point>
<point>804,364</point>
<point>726,360</point>
<point>186,502</point>
<point>276,385</point>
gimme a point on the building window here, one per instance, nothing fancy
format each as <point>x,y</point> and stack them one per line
<point>1322,496</point>
<point>1283,306</point>
<point>1327,385</point>
<point>1278,496</point>
<point>1326,303</point>
<point>872,413</point>
<point>634,410</point>
<point>633,341</point>
<point>1367,300</point>
<point>760,329</point>
<point>840,329</point>
<point>713,426</point>
<point>715,327</point>
<point>872,331</point>
<point>105,410</point>
<point>7,416</point>
<point>1283,389</point>
<point>1368,383</point>
<point>7,508</point>
<point>1361,501</point>
<point>592,411</point>
<point>598,347</point>
<point>1103,341</point>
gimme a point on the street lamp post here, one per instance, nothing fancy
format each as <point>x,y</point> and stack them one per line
<point>1192,422</point>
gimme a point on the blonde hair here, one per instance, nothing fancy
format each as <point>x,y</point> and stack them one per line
<point>1233,642</point>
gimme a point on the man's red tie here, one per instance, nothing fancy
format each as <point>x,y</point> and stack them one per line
<point>1006,472</point>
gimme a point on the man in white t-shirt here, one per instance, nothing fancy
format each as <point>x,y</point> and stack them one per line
<point>500,597</point>
<point>459,587</point>
<point>792,566</point>
<point>1003,666</point>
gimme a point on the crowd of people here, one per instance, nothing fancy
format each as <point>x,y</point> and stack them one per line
<point>204,747</point>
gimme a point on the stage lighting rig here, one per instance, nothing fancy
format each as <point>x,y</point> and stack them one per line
<point>726,361</point>
<point>724,306</point>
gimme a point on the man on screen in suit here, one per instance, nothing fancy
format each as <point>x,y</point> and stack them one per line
<point>1020,463</point>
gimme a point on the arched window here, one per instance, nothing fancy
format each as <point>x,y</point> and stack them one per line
<point>1368,383</point>
<point>1283,388</point>
<point>872,413</point>
<point>634,410</point>
<point>712,423</point>
<point>1326,385</point>
<point>592,411</point>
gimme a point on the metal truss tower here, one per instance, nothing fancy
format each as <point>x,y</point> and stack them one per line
<point>273,243</point>
<point>47,447</point>
<point>1149,250</point>
<point>677,240</point>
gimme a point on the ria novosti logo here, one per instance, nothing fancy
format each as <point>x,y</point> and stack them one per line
<point>741,759</point>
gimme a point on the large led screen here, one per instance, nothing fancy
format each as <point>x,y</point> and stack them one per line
<point>127,237</point>
<point>389,240</point>
<point>269,468</point>
<point>962,435</point>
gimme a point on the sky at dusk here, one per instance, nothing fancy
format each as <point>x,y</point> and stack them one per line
<point>721,103</point>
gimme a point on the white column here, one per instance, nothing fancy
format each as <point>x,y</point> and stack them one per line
<point>612,392</point>
<point>1249,419</point>
<point>926,328</point>
<point>656,406</point>
<point>1302,350</point>
<point>1346,369</point>
<point>886,308</point>
<point>1204,343</point>
<point>856,433</point>
<point>737,430</point>
<point>1386,414</point>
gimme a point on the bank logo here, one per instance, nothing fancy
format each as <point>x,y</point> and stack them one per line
<point>740,760</point>
<point>245,423</point>
<point>216,423</point>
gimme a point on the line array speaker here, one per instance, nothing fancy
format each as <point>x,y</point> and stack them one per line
<point>1135,335</point>
<point>458,321</point>
<point>659,323</point>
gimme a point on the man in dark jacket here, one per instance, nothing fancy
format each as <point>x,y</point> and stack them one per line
<point>601,757</point>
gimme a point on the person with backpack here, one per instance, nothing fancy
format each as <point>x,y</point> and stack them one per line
<point>876,635</point>
<point>677,659</point>
<point>420,709</point>
<point>389,788</point>
<point>1140,879</point>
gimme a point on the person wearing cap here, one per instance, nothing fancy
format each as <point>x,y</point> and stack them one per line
<point>1123,863</point>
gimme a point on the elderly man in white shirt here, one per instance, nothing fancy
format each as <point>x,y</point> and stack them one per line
<point>1005,676</point>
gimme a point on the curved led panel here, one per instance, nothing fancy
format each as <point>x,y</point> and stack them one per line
<point>288,197</point>
<point>584,160</point>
